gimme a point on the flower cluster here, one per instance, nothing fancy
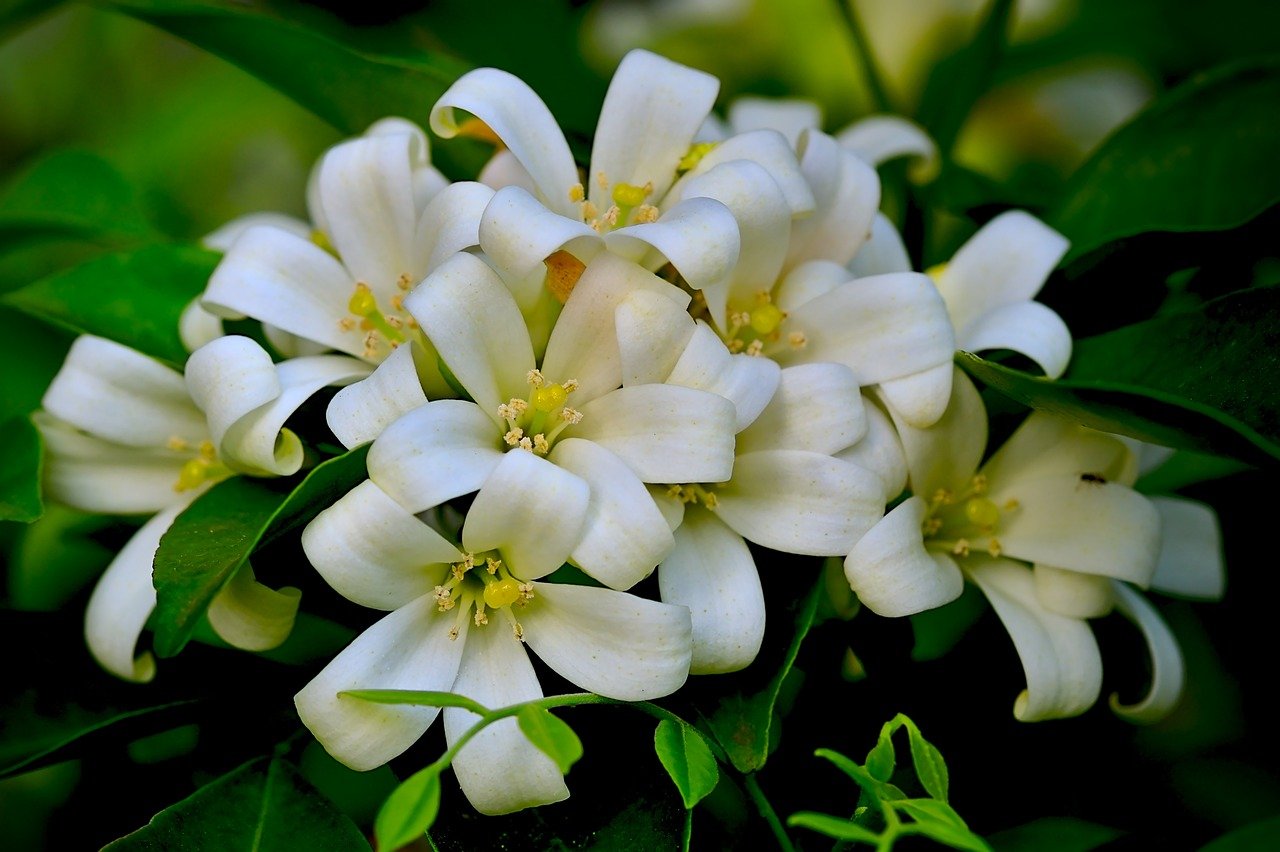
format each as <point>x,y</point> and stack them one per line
<point>708,339</point>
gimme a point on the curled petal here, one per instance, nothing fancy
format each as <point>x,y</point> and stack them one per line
<point>251,616</point>
<point>1071,593</point>
<point>699,237</point>
<point>790,117</point>
<point>711,572</point>
<point>1059,654</point>
<point>1026,327</point>
<point>808,281</point>
<point>653,331</point>
<point>359,412</point>
<point>880,138</point>
<point>372,551</point>
<point>946,454</point>
<point>884,252</point>
<point>518,117</point>
<point>449,224</point>
<point>816,407</point>
<point>880,451</point>
<point>1167,669</point>
<point>196,326</point>
<point>846,195</point>
<point>410,648</point>
<point>1190,564</point>
<point>920,398</point>
<point>223,238</point>
<point>893,574</point>
<point>499,769</point>
<point>767,148</point>
<point>518,233</point>
<point>503,169</point>
<point>611,643</point>
<point>746,381</point>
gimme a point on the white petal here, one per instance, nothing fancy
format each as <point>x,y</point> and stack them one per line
<point>650,114</point>
<point>248,615</point>
<point>699,236</point>
<point>817,407</point>
<point>920,399</point>
<point>1190,564</point>
<point>474,322</point>
<point>436,452</point>
<point>223,237</point>
<point>1071,593</point>
<point>1004,263</point>
<point>1091,527</point>
<point>1026,327</point>
<point>408,649</point>
<point>1167,669</point>
<point>671,508</point>
<point>372,551</point>
<point>883,327</point>
<point>584,343</point>
<point>800,502</point>
<point>880,451</point>
<point>1059,654</point>
<point>290,345</point>
<point>451,223</point>
<point>748,382</point>
<point>893,574</point>
<point>359,412</point>
<point>503,169</point>
<point>711,572</point>
<point>625,535</point>
<point>121,395</point>
<point>98,476</point>
<point>808,281</point>
<point>611,643</point>
<point>228,378</point>
<point>289,282</point>
<point>530,511</point>
<point>1046,444</point>
<point>499,769</point>
<point>767,148</point>
<point>653,331</point>
<point>846,196</point>
<point>883,252</point>
<point>787,116</point>
<point>196,326</point>
<point>518,117</point>
<point>663,432</point>
<point>122,602</point>
<point>518,233</point>
<point>946,454</point>
<point>367,194</point>
<point>880,138</point>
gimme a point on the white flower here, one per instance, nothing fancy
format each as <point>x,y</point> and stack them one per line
<point>126,434</point>
<point>459,623</point>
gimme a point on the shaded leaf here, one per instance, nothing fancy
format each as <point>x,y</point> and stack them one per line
<point>410,810</point>
<point>1260,836</point>
<point>881,759</point>
<point>1202,380</point>
<point>687,758</point>
<point>56,557</point>
<point>214,536</point>
<point>264,805</point>
<point>20,493</point>
<point>1201,158</point>
<point>834,827</point>
<point>551,735</point>
<point>936,631</point>
<point>134,298</point>
<point>39,349</point>
<point>1054,834</point>
<point>420,697</point>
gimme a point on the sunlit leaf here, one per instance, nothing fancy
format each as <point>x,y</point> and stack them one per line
<point>687,758</point>
<point>552,736</point>
<point>833,827</point>
<point>1201,158</point>
<point>214,536</point>
<point>410,810</point>
<point>419,697</point>
<point>931,769</point>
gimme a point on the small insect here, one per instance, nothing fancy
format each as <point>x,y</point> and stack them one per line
<point>1093,478</point>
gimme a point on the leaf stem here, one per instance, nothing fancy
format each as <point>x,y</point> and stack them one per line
<point>863,56</point>
<point>766,811</point>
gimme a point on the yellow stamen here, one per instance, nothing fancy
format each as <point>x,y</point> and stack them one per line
<point>501,593</point>
<point>549,398</point>
<point>696,152</point>
<point>628,195</point>
<point>321,239</point>
<point>474,128</point>
<point>577,193</point>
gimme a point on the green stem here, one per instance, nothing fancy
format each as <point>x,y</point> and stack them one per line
<point>687,838</point>
<point>766,811</point>
<point>864,57</point>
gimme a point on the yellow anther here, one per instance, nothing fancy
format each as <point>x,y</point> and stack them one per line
<point>395,322</point>
<point>526,444</point>
<point>589,211</point>
<point>696,152</point>
<point>549,397</point>
<point>492,565</point>
<point>191,476</point>
<point>766,318</point>
<point>1012,505</point>
<point>540,444</point>
<point>362,302</point>
<point>982,512</point>
<point>177,443</point>
<point>601,180</point>
<point>346,324</point>
<point>480,618</point>
<point>935,272</point>
<point>577,193</point>
<point>629,195</point>
<point>942,497</point>
<point>513,437</point>
<point>501,593</point>
<point>563,272</point>
<point>321,239</point>
<point>474,128</point>
<point>534,378</point>
<point>397,302</point>
<point>797,339</point>
<point>979,484</point>
<point>517,631</point>
<point>404,282</point>
<point>207,451</point>
<point>994,548</point>
<point>646,213</point>
<point>755,347</point>
<point>572,416</point>
<point>570,385</point>
<point>961,547</point>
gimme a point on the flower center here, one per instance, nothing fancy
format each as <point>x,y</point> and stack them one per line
<point>630,205</point>
<point>533,424</point>
<point>757,328</point>
<point>384,330</point>
<point>958,523</point>
<point>479,584</point>
<point>693,492</point>
<point>202,468</point>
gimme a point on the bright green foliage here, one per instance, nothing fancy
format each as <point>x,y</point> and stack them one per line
<point>551,735</point>
<point>687,758</point>
<point>410,810</point>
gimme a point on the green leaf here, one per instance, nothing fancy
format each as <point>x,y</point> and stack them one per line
<point>20,498</point>
<point>744,726</point>
<point>1185,468</point>
<point>422,698</point>
<point>937,631</point>
<point>1054,834</point>
<point>881,759</point>
<point>1201,381</point>
<point>56,557</point>
<point>931,769</point>
<point>264,805</point>
<point>864,779</point>
<point>1201,158</point>
<point>930,810</point>
<point>316,65</point>
<point>72,193</point>
<point>551,735</point>
<point>957,82</point>
<point>1262,836</point>
<point>685,755</point>
<point>834,827</point>
<point>214,536</point>
<point>410,810</point>
<point>134,298</point>
<point>39,349</point>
